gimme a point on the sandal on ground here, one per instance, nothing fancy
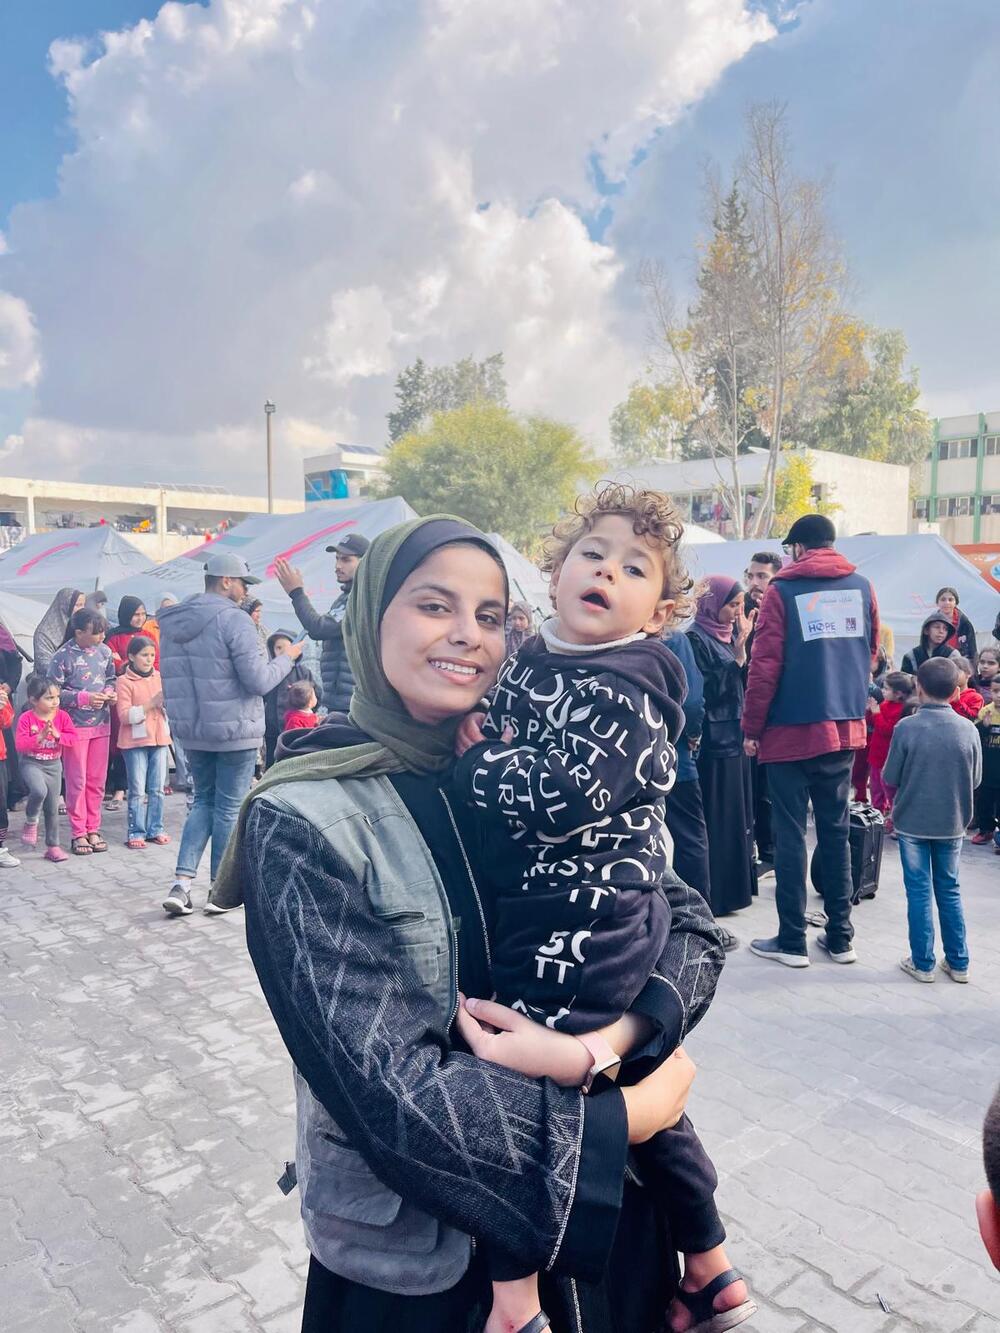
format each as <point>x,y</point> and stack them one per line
<point>97,843</point>
<point>160,839</point>
<point>817,918</point>
<point>112,805</point>
<point>707,1318</point>
<point>536,1325</point>
<point>81,846</point>
<point>136,844</point>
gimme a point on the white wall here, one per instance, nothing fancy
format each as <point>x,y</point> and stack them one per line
<point>874,497</point>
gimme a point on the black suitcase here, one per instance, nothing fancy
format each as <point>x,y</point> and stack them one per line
<point>867,840</point>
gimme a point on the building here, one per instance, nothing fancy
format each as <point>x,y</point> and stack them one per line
<point>161,520</point>
<point>345,471</point>
<point>959,484</point>
<point>872,497</point>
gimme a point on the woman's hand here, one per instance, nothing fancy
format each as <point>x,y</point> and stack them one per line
<point>498,1034</point>
<point>658,1101</point>
<point>470,733</point>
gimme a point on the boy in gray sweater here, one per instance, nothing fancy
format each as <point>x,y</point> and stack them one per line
<point>936,763</point>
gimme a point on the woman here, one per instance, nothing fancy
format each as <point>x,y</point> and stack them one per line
<point>406,1147</point>
<point>53,628</point>
<point>718,640</point>
<point>520,626</point>
<point>963,636</point>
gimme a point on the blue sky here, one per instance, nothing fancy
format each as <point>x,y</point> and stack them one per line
<point>896,102</point>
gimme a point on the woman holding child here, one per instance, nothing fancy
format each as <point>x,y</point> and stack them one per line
<point>374,913</point>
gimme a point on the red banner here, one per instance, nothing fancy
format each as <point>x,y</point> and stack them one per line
<point>986,559</point>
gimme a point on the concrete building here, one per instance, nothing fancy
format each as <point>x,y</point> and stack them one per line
<point>872,497</point>
<point>959,484</point>
<point>162,521</point>
<point>341,473</point>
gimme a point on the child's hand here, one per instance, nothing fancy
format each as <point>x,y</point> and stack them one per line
<point>470,733</point>
<point>498,1034</point>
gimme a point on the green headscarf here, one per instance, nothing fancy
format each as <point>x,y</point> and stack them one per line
<point>399,743</point>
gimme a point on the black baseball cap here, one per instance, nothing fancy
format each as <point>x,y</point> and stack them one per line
<point>811,530</point>
<point>353,544</point>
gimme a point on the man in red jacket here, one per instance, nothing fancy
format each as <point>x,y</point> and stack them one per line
<point>803,716</point>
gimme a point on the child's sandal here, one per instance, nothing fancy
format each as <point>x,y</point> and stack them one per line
<point>81,846</point>
<point>536,1325</point>
<point>160,839</point>
<point>136,844</point>
<point>96,842</point>
<point>707,1318</point>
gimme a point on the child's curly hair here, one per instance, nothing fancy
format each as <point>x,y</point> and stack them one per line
<point>652,514</point>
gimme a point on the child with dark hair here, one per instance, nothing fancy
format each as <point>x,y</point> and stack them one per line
<point>143,738</point>
<point>276,703</point>
<point>898,701</point>
<point>7,861</point>
<point>988,795</point>
<point>968,702</point>
<point>301,705</point>
<point>84,671</point>
<point>988,1201</point>
<point>44,731</point>
<point>935,764</point>
<point>987,669</point>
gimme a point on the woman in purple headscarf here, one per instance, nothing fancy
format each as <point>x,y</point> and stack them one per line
<point>718,640</point>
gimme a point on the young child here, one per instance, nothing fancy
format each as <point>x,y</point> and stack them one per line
<point>968,702</point>
<point>84,671</point>
<point>934,635</point>
<point>574,757</point>
<point>143,738</point>
<point>301,706</point>
<point>7,861</point>
<point>987,668</point>
<point>988,795</point>
<point>43,732</point>
<point>276,701</point>
<point>860,769</point>
<point>897,702</point>
<point>935,764</point>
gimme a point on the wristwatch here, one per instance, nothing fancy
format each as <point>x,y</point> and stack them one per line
<point>605,1058</point>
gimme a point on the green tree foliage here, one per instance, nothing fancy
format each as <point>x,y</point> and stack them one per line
<point>422,390</point>
<point>651,423</point>
<point>503,472</point>
<point>871,410</point>
<point>794,495</point>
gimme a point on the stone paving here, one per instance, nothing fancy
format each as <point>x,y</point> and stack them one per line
<point>145,1108</point>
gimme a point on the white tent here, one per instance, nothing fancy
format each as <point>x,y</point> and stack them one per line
<point>905,571</point>
<point>694,535</point>
<point>84,558</point>
<point>21,616</point>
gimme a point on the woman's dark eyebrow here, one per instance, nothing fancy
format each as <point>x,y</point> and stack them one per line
<point>442,591</point>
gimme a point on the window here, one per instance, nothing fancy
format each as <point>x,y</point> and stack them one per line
<point>989,504</point>
<point>956,506</point>
<point>958,448</point>
<point>921,507</point>
<point>992,444</point>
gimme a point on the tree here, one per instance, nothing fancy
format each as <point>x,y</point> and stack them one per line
<point>422,390</point>
<point>871,411</point>
<point>503,472</point>
<point>794,494</point>
<point>650,424</point>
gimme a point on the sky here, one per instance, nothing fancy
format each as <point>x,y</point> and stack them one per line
<point>206,205</point>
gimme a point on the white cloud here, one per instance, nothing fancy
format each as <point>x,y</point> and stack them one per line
<point>274,197</point>
<point>20,363</point>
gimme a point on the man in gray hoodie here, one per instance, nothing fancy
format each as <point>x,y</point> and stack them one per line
<point>215,673</point>
<point>935,762</point>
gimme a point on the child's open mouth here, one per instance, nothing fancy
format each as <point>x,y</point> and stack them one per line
<point>596,598</point>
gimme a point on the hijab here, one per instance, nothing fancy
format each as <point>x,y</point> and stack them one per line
<point>53,628</point>
<point>127,608</point>
<point>7,644</point>
<point>391,741</point>
<point>719,590</point>
<point>515,637</point>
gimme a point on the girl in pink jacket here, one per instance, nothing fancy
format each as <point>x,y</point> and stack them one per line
<point>43,732</point>
<point>143,738</point>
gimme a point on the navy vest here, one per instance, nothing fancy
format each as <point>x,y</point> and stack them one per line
<point>828,657</point>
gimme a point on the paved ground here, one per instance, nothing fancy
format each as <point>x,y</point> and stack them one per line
<point>145,1108</point>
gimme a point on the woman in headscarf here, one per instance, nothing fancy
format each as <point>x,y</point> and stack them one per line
<point>131,618</point>
<point>718,640</point>
<point>53,628</point>
<point>356,864</point>
<point>520,626</point>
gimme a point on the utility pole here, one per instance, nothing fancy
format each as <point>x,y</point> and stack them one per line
<point>268,414</point>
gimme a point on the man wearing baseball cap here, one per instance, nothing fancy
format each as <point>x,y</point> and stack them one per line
<point>215,673</point>
<point>803,717</point>
<point>335,670</point>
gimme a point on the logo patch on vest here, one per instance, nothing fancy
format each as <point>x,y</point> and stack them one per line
<point>832,613</point>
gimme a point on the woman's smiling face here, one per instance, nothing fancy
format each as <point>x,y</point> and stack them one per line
<point>442,635</point>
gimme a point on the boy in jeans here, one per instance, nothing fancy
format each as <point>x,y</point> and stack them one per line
<point>935,762</point>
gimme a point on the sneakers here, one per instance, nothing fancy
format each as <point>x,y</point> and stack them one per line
<point>29,835</point>
<point>961,976</point>
<point>763,868</point>
<point>771,949</point>
<point>213,909</point>
<point>8,862</point>
<point>846,955</point>
<point>911,969</point>
<point>55,854</point>
<point>178,902</point>
<point>981,839</point>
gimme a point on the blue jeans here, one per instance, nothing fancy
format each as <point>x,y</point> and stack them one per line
<point>182,770</point>
<point>930,865</point>
<point>146,766</point>
<point>221,780</point>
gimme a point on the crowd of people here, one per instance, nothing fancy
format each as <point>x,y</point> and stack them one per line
<point>594,798</point>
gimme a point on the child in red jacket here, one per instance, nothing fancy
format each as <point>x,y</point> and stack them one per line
<point>301,706</point>
<point>7,862</point>
<point>898,702</point>
<point>967,702</point>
